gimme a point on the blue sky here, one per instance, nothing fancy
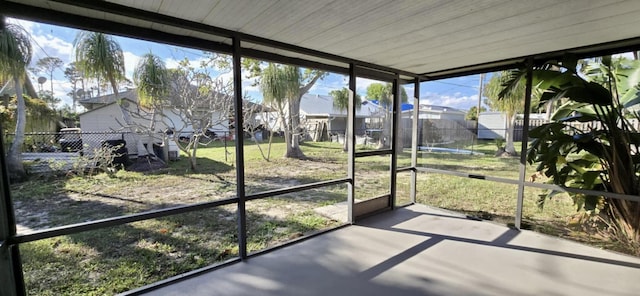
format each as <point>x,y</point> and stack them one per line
<point>55,41</point>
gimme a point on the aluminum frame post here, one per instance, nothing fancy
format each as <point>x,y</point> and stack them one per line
<point>239,135</point>
<point>10,263</point>
<point>525,143</point>
<point>395,118</point>
<point>351,149</point>
<point>414,140</point>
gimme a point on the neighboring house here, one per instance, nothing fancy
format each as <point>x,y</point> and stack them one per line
<point>105,122</point>
<point>436,125</point>
<point>434,112</point>
<point>100,101</point>
<point>322,119</point>
<point>104,117</point>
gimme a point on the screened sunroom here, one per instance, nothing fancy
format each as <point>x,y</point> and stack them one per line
<point>322,148</point>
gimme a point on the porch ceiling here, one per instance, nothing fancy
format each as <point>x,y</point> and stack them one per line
<point>420,37</point>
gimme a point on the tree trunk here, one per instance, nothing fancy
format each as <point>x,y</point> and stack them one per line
<point>15,166</point>
<point>152,125</point>
<point>293,143</point>
<point>345,146</point>
<point>509,147</point>
<point>194,150</point>
<point>385,136</point>
<point>627,215</point>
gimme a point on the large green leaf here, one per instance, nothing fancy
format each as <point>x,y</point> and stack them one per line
<point>550,79</point>
<point>630,98</point>
<point>590,93</point>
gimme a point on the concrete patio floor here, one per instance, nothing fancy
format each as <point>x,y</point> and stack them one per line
<point>419,250</point>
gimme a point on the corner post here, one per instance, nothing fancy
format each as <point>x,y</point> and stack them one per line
<point>395,143</point>
<point>351,140</point>
<point>525,143</point>
<point>414,140</point>
<point>239,135</point>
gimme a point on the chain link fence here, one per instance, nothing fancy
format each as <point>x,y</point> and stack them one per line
<point>72,141</point>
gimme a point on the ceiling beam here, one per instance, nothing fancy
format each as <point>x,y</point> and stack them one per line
<point>583,52</point>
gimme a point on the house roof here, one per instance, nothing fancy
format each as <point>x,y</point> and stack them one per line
<point>322,106</point>
<point>404,106</point>
<point>440,109</point>
<point>426,37</point>
<point>105,106</point>
<point>129,94</point>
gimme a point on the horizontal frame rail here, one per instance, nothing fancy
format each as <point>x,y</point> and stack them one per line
<point>298,188</point>
<point>373,153</point>
<point>406,169</point>
<point>115,221</point>
<point>532,184</point>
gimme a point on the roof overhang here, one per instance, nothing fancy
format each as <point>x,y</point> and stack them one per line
<point>384,38</point>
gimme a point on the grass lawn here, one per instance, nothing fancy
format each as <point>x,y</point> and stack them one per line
<point>117,259</point>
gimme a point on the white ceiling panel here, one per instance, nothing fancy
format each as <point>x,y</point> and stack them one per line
<point>409,35</point>
<point>233,15</point>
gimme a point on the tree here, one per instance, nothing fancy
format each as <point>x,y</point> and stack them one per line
<point>601,156</point>
<point>283,87</point>
<point>15,55</point>
<point>257,118</point>
<point>510,103</point>
<point>341,102</point>
<point>74,76</point>
<point>49,65</point>
<point>384,94</point>
<point>152,83</point>
<point>199,102</point>
<point>99,56</point>
<point>472,114</point>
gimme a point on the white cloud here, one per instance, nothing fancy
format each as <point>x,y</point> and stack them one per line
<point>27,25</point>
<point>45,44</point>
<point>51,46</point>
<point>130,62</point>
<point>458,102</point>
<point>248,85</point>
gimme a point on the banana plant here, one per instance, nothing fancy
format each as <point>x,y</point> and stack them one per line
<point>590,142</point>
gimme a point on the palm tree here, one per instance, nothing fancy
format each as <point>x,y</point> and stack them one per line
<point>15,55</point>
<point>341,102</point>
<point>152,82</point>
<point>99,56</point>
<point>510,103</point>
<point>283,87</point>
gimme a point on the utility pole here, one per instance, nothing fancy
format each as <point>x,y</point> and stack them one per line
<point>479,104</point>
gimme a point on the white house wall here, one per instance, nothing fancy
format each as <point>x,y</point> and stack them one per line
<point>173,120</point>
<point>492,125</point>
<point>104,124</point>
